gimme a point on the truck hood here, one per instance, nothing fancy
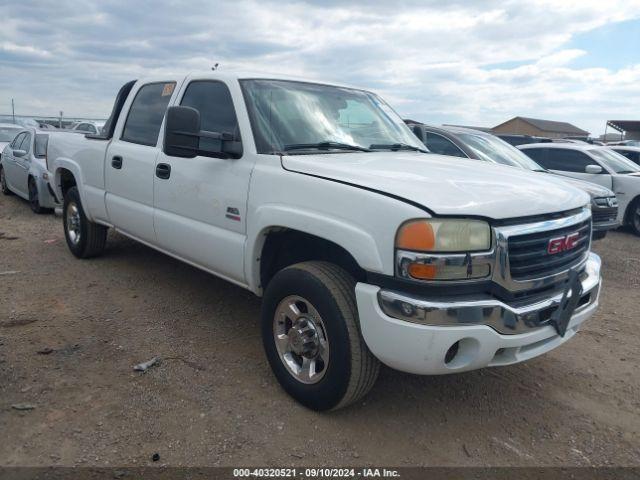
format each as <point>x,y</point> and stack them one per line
<point>446,185</point>
<point>593,189</point>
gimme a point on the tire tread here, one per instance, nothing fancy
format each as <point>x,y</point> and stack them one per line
<point>364,366</point>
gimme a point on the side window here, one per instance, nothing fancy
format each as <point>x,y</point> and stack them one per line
<point>15,145</point>
<point>633,156</point>
<point>40,145</point>
<point>217,114</point>
<point>91,128</point>
<point>438,144</point>
<point>26,143</point>
<point>146,113</point>
<point>538,155</point>
<point>568,160</point>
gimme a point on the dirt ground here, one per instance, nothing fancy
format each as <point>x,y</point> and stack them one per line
<point>71,331</point>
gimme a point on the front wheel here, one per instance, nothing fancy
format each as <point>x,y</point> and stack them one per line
<point>634,217</point>
<point>312,337</point>
<point>84,238</point>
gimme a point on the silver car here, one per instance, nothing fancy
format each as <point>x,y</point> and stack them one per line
<point>23,170</point>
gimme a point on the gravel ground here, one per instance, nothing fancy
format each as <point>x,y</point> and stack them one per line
<point>71,331</point>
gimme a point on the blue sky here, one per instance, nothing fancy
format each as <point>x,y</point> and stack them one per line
<point>461,61</point>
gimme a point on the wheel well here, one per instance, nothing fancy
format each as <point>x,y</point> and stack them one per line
<point>632,204</point>
<point>284,247</point>
<point>67,180</point>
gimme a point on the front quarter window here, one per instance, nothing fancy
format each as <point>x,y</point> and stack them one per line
<point>289,113</point>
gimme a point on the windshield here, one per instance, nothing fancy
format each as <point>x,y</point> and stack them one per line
<point>296,116</point>
<point>493,149</point>
<point>7,134</point>
<point>615,161</point>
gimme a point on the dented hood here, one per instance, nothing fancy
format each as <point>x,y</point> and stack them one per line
<point>446,185</point>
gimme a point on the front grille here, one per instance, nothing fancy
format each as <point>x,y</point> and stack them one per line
<point>529,258</point>
<point>604,215</point>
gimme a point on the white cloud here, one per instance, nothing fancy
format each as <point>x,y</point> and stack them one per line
<point>442,62</point>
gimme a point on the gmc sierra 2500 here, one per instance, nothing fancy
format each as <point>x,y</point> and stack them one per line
<point>318,198</point>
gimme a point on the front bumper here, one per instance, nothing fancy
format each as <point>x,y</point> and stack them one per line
<point>437,336</point>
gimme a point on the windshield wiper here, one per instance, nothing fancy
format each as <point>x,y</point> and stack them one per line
<point>397,146</point>
<point>325,146</point>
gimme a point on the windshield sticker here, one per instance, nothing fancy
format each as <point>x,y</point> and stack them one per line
<point>168,89</point>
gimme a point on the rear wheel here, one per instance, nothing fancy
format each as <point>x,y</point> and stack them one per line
<point>34,198</point>
<point>312,337</point>
<point>634,216</point>
<point>84,238</point>
<point>3,183</point>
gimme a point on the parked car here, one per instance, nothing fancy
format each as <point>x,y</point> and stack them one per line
<point>319,198</point>
<point>8,132</point>
<point>595,164</point>
<point>23,170</point>
<point>90,127</point>
<point>516,140</point>
<point>632,153</point>
<point>627,143</point>
<point>478,145</point>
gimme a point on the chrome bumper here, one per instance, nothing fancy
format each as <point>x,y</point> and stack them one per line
<point>486,310</point>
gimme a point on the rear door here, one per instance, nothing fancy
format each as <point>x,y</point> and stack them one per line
<point>131,160</point>
<point>572,163</point>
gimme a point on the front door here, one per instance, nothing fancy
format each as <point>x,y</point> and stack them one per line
<point>11,167</point>
<point>22,165</point>
<point>131,160</point>
<point>200,204</point>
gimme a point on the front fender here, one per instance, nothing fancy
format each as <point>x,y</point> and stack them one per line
<point>358,242</point>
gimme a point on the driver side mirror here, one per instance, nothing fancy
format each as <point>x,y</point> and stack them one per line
<point>593,169</point>
<point>183,137</point>
<point>19,153</point>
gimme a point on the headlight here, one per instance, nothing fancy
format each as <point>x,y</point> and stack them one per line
<point>444,235</point>
<point>444,249</point>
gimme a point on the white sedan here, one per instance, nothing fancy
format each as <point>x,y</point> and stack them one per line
<point>595,164</point>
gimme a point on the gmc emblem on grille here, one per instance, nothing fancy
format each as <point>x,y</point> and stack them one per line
<point>562,244</point>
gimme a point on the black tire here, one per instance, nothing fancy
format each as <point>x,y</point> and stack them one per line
<point>34,198</point>
<point>92,237</point>
<point>352,369</point>
<point>599,235</point>
<point>3,183</point>
<point>633,216</point>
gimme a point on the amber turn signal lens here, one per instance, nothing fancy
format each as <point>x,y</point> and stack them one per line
<point>422,271</point>
<point>416,236</point>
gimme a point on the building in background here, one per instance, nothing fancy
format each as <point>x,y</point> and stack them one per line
<point>629,129</point>
<point>539,128</point>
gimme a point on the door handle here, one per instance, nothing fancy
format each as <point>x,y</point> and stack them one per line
<point>163,170</point>
<point>116,162</point>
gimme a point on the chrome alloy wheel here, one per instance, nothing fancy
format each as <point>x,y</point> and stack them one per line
<point>73,223</point>
<point>301,339</point>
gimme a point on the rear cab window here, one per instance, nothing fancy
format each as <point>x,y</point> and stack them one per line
<point>147,112</point>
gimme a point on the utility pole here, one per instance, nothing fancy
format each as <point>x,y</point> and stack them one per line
<point>13,111</point>
<point>60,120</point>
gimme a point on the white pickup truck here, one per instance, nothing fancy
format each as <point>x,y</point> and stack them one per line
<point>318,198</point>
